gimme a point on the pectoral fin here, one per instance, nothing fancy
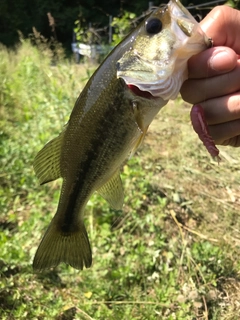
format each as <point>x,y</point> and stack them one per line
<point>112,191</point>
<point>143,129</point>
<point>138,142</point>
<point>47,162</point>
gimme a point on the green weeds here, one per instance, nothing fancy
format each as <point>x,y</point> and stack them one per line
<point>172,253</point>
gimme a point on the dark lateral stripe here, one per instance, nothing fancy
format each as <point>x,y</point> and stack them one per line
<point>110,127</point>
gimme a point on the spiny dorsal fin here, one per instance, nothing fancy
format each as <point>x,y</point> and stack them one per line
<point>112,191</point>
<point>47,162</point>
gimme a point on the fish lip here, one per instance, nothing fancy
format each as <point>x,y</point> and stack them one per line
<point>209,42</point>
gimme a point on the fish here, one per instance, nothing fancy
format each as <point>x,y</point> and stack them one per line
<point>108,123</point>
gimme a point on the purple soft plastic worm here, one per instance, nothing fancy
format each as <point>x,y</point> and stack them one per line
<point>200,126</point>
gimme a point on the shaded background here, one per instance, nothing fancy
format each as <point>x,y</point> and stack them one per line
<point>23,15</point>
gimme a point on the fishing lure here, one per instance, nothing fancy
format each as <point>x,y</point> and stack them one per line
<point>201,128</point>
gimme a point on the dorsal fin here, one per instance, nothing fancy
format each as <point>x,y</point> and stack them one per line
<point>47,162</point>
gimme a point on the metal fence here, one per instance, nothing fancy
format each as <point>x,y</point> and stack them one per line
<point>93,51</point>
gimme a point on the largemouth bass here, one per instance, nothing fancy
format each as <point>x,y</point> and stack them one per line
<point>108,123</point>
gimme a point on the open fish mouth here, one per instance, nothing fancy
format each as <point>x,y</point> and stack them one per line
<point>144,94</point>
<point>160,67</point>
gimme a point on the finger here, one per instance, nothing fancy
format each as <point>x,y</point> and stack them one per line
<point>222,109</point>
<point>227,133</point>
<point>212,62</point>
<point>233,142</point>
<point>222,24</point>
<point>197,90</point>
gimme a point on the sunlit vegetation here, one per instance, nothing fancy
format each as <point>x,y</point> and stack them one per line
<point>172,253</point>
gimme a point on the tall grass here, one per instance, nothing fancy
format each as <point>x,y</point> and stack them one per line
<point>149,261</point>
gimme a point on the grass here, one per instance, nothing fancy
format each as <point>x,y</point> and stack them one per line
<point>172,253</point>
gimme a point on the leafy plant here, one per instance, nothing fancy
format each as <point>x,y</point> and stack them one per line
<point>172,253</point>
<point>122,26</point>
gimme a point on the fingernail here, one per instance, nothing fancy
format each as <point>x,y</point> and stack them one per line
<point>221,61</point>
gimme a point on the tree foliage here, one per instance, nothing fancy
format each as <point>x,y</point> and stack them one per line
<point>122,26</point>
<point>23,15</point>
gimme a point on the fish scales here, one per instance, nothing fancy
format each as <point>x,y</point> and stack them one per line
<point>95,164</point>
<point>108,123</point>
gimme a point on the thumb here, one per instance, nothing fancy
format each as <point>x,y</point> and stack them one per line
<point>222,24</point>
<point>212,62</point>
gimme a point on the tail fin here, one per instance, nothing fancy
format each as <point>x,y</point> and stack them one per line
<point>72,248</point>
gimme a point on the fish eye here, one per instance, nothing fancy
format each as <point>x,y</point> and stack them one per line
<point>153,26</point>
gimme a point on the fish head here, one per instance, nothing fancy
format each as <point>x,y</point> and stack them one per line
<point>156,61</point>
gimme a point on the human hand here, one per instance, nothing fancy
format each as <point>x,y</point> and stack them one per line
<point>214,76</point>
